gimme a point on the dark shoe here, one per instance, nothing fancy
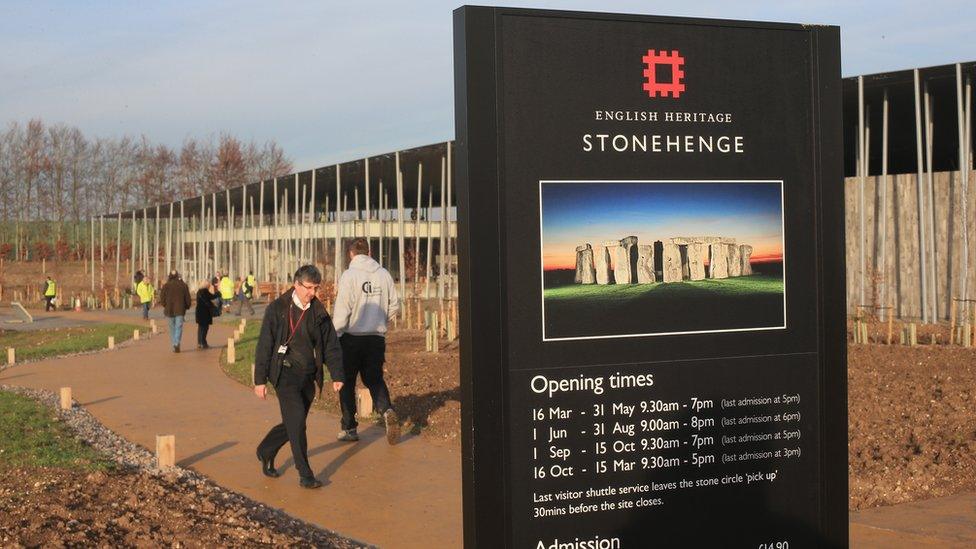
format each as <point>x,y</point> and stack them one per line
<point>176,348</point>
<point>310,483</point>
<point>392,426</point>
<point>348,435</point>
<point>268,468</point>
<point>205,346</point>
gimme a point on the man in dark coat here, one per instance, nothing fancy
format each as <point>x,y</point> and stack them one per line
<point>175,296</point>
<point>297,336</point>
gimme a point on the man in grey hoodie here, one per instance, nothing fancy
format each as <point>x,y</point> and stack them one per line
<point>365,303</point>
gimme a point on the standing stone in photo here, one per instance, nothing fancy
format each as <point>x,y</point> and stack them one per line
<point>585,271</point>
<point>696,263</point>
<point>621,265</point>
<point>718,263</point>
<point>735,260</point>
<point>602,265</point>
<point>671,264</point>
<point>630,243</point>
<point>645,264</point>
<point>745,253</point>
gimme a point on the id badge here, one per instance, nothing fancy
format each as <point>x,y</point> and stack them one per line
<point>282,349</point>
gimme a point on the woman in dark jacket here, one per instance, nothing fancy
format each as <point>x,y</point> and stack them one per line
<point>204,313</point>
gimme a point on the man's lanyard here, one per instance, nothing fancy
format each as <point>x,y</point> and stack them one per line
<point>294,327</point>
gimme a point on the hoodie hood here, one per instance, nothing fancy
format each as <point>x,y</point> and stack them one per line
<point>364,263</point>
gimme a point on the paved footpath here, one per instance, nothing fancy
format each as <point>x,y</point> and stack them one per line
<point>407,495</point>
<point>940,522</point>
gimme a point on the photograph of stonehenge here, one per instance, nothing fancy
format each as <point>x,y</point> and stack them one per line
<point>620,258</point>
<point>682,258</point>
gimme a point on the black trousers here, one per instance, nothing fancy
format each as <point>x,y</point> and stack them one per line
<point>363,356</point>
<point>296,390</point>
<point>202,330</point>
<point>49,303</point>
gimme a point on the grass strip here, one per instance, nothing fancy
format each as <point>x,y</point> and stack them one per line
<point>39,344</point>
<point>31,435</point>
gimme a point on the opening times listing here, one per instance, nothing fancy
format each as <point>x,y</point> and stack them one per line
<point>605,432</point>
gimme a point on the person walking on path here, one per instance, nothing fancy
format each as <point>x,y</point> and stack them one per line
<point>297,342</point>
<point>146,292</point>
<point>243,296</point>
<point>365,303</point>
<point>204,313</point>
<point>50,290</point>
<point>226,288</point>
<point>175,296</point>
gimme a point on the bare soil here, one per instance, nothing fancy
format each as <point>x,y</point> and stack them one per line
<point>24,279</point>
<point>912,410</point>
<point>912,419</point>
<point>42,507</point>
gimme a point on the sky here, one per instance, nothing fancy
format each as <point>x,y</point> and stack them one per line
<point>575,214</point>
<point>332,81</point>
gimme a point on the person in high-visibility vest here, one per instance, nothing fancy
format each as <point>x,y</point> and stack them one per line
<point>50,290</point>
<point>226,288</point>
<point>146,292</point>
<point>243,297</point>
<point>252,283</point>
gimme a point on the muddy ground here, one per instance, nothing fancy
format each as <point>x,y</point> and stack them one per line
<point>130,508</point>
<point>912,411</point>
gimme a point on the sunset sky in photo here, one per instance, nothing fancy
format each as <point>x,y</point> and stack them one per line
<point>586,212</point>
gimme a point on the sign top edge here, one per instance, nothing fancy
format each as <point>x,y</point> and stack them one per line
<point>646,18</point>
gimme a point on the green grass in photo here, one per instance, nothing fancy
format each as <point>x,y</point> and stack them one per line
<point>610,293</point>
<point>746,302</point>
<point>244,349</point>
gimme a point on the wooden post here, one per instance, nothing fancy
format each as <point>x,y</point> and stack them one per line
<point>65,398</point>
<point>135,335</point>
<point>11,356</point>
<point>153,327</point>
<point>436,333</point>
<point>230,351</point>
<point>111,342</point>
<point>952,321</point>
<point>891,323</point>
<point>165,451</point>
<point>364,402</point>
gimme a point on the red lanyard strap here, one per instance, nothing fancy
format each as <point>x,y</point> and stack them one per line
<point>294,327</point>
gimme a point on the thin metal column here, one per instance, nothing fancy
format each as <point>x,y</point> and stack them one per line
<point>400,248</point>
<point>934,285</point>
<point>338,236</point>
<point>964,176</point>
<point>884,204</point>
<point>921,200</point>
<point>861,165</point>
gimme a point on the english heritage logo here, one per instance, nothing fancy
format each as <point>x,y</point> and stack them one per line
<point>653,85</point>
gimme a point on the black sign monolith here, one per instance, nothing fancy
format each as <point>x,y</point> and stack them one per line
<point>651,237</point>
